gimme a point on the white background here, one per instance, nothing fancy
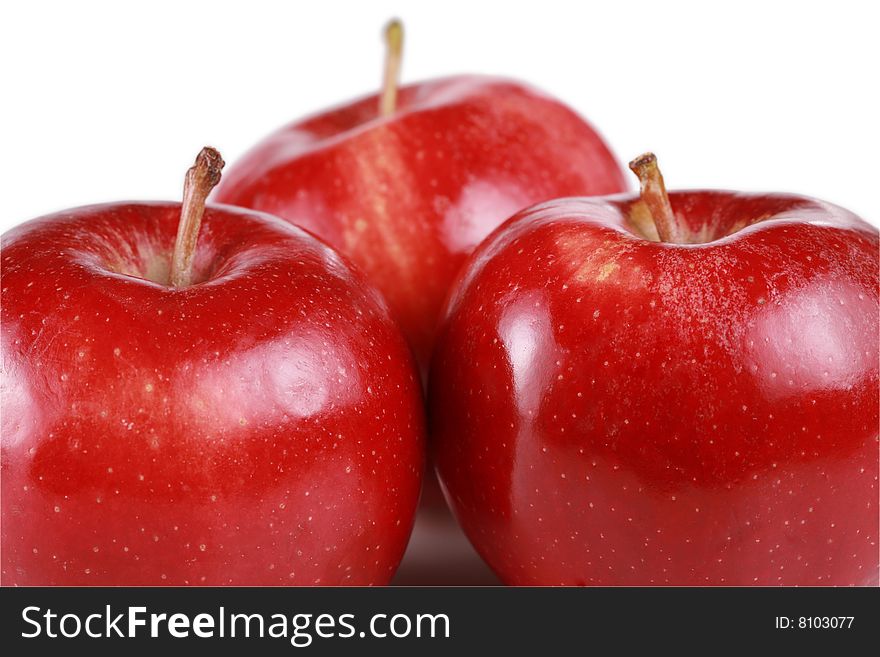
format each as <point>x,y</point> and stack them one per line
<point>111,100</point>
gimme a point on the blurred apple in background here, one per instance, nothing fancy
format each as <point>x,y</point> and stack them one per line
<point>407,182</point>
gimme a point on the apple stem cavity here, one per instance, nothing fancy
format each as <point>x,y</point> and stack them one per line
<point>200,179</point>
<point>393,36</point>
<point>654,196</point>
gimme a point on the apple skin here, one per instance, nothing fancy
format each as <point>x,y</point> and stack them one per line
<point>262,427</point>
<point>611,410</point>
<point>408,197</point>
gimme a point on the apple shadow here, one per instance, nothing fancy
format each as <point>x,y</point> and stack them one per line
<point>439,554</point>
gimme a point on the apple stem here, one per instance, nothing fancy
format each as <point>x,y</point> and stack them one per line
<point>393,35</point>
<point>200,179</point>
<point>654,196</point>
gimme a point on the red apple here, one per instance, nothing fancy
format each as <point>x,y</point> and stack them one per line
<point>408,182</point>
<point>246,416</point>
<point>703,410</point>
